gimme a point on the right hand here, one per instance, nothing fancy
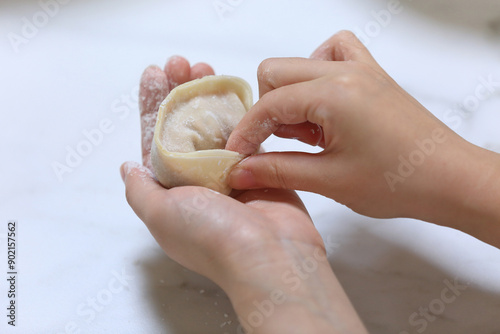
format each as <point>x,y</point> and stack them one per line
<point>344,101</point>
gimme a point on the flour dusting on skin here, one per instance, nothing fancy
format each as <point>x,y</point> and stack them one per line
<point>153,89</point>
<point>156,85</point>
<point>132,168</point>
<point>148,122</point>
<point>266,124</point>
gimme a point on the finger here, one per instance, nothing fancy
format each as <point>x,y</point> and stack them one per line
<point>343,46</point>
<point>293,104</point>
<point>307,132</point>
<point>152,91</point>
<point>140,187</point>
<point>201,70</point>
<point>178,71</point>
<point>277,72</point>
<point>284,170</point>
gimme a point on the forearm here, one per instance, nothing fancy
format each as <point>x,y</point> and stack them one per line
<point>467,193</point>
<point>299,294</point>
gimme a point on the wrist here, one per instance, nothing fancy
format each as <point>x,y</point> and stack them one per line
<point>294,291</point>
<point>479,195</point>
<point>465,193</point>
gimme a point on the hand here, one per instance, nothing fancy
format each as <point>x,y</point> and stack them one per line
<point>244,244</point>
<point>384,154</point>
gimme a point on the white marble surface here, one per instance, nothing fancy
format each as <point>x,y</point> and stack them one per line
<point>77,235</point>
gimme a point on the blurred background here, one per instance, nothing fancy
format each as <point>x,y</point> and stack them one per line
<point>87,264</point>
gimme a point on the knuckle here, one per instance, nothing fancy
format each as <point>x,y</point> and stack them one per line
<point>348,81</point>
<point>244,144</point>
<point>349,44</point>
<point>354,78</point>
<point>278,105</point>
<point>278,175</point>
<point>345,35</point>
<point>264,71</point>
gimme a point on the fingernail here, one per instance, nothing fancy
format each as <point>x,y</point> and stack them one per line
<point>241,178</point>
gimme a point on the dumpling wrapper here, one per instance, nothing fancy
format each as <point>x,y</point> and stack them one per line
<point>193,125</point>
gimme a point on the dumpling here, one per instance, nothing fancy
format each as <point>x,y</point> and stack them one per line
<point>193,125</point>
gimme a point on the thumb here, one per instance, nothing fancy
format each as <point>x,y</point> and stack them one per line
<point>283,170</point>
<point>140,187</point>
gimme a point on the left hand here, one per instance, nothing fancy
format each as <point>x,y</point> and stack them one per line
<point>244,244</point>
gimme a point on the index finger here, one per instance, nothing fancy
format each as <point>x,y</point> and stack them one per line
<point>278,72</point>
<point>282,102</point>
<point>292,104</point>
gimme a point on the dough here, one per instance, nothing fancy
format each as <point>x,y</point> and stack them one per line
<point>193,125</point>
